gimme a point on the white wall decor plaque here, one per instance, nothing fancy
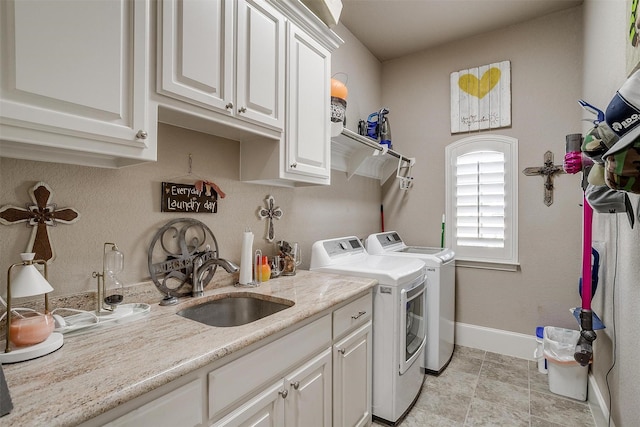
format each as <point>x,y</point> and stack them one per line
<point>481,98</point>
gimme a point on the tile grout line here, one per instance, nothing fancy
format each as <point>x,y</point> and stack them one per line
<point>529,384</point>
<point>466,416</point>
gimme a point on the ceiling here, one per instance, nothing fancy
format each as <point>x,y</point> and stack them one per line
<point>394,28</point>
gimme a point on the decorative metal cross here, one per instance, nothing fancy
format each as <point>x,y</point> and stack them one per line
<point>270,213</point>
<point>548,170</point>
<point>40,214</point>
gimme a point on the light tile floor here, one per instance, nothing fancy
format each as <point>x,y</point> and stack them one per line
<point>481,388</point>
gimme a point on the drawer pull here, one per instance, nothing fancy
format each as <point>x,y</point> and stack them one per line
<point>296,385</point>
<point>283,393</point>
<point>229,106</point>
<point>242,110</point>
<point>341,350</point>
<point>360,314</point>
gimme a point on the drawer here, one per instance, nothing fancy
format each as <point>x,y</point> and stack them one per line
<point>352,315</point>
<point>182,406</point>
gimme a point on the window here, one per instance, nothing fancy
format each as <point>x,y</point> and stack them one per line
<point>482,202</point>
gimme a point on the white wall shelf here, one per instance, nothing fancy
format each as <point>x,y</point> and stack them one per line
<point>360,155</point>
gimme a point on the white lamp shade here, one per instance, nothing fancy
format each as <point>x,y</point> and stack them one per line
<point>28,281</point>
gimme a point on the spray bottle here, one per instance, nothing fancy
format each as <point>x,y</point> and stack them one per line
<point>384,128</point>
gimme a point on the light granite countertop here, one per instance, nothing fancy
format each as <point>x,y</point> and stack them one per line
<point>101,369</point>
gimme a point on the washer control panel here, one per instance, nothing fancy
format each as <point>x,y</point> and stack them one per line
<point>343,246</point>
<point>389,239</point>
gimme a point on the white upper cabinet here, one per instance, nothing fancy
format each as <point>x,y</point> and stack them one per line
<point>197,52</point>
<point>302,156</point>
<point>261,56</point>
<point>74,82</point>
<point>225,56</point>
<point>308,127</point>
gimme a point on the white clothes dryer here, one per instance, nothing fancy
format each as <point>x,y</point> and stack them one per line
<point>398,319</point>
<point>440,294</point>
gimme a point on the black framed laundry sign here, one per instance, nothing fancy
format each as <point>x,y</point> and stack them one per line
<point>188,198</point>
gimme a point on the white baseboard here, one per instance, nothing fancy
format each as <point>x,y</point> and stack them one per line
<point>496,340</point>
<point>598,404</point>
<point>523,346</point>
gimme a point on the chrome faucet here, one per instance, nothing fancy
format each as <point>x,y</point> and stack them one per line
<point>200,267</point>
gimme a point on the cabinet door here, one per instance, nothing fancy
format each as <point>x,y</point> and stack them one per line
<point>308,402</point>
<point>308,139</point>
<point>352,379</point>
<point>260,63</point>
<point>196,60</point>
<point>75,76</point>
<point>264,410</point>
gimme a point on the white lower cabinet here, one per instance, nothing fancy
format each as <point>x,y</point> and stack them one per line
<point>308,401</point>
<point>302,398</point>
<point>352,363</point>
<point>318,375</point>
<point>352,379</point>
<point>264,410</point>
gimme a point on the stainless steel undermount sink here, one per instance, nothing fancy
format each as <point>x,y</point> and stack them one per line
<point>235,309</point>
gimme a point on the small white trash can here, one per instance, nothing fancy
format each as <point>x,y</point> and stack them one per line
<point>566,376</point>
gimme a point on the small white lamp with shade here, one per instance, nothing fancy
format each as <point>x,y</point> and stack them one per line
<point>30,335</point>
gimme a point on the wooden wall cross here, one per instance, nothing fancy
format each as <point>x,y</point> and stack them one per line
<point>40,215</point>
<point>548,170</point>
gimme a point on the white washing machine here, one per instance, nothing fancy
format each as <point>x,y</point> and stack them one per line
<point>398,319</point>
<point>440,295</point>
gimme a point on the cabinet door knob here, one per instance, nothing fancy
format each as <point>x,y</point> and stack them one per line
<point>296,385</point>
<point>283,393</point>
<point>141,134</point>
<point>229,106</point>
<point>242,110</point>
<point>360,314</point>
<point>341,350</point>
<point>294,165</point>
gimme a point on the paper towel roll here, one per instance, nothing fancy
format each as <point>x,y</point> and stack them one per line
<point>246,258</point>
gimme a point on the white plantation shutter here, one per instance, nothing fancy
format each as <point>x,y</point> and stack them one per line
<point>481,199</point>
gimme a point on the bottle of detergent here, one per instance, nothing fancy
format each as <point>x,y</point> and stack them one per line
<point>265,269</point>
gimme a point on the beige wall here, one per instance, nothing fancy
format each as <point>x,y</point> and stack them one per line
<point>123,206</point>
<point>617,301</point>
<point>546,64</point>
<point>362,72</point>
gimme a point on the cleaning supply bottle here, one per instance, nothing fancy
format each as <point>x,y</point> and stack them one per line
<point>265,269</point>
<point>372,125</point>
<point>384,128</point>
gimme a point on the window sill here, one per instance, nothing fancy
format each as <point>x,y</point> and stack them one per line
<point>488,265</point>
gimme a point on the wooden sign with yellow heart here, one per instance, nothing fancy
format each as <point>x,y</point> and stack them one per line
<point>481,98</point>
<point>479,87</point>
